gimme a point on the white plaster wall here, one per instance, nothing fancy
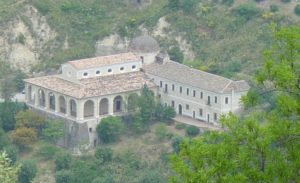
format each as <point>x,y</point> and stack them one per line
<point>104,70</point>
<point>68,70</point>
<point>195,102</point>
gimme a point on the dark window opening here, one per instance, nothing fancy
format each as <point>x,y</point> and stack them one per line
<point>216,99</point>
<point>109,70</point>
<point>187,106</point>
<point>200,112</point>
<point>97,72</point>
<point>226,100</point>
<point>194,93</point>
<point>187,91</point>
<point>85,74</point>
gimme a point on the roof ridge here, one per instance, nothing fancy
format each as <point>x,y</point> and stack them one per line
<point>197,70</point>
<point>102,56</point>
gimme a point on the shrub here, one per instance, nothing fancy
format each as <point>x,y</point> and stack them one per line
<point>297,9</point>
<point>180,126</point>
<point>286,1</point>
<point>176,141</point>
<point>247,11</point>
<point>274,8</point>
<point>62,160</point>
<point>24,137</point>
<point>64,176</point>
<point>192,131</point>
<point>176,54</point>
<point>103,154</point>
<point>12,152</point>
<point>161,131</point>
<point>48,151</point>
<point>27,172</point>
<point>109,129</point>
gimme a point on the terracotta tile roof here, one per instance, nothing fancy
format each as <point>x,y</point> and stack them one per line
<point>104,60</point>
<point>92,87</point>
<point>183,74</point>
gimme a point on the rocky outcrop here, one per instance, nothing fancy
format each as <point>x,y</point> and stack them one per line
<point>24,38</point>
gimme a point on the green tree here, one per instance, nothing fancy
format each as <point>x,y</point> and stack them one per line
<point>18,80</point>
<point>24,137</point>
<point>109,129</point>
<point>53,130</point>
<point>8,110</point>
<point>262,146</point>
<point>7,86</point>
<point>30,119</point>
<point>27,172</point>
<point>146,105</point>
<point>176,54</point>
<point>8,172</point>
<point>62,161</point>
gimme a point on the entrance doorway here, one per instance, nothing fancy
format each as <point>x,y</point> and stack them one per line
<point>179,109</point>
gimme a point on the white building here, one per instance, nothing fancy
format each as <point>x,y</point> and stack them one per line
<point>89,89</point>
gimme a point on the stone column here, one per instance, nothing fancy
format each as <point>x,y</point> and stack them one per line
<point>56,103</point>
<point>79,109</point>
<point>47,100</point>
<point>96,108</point>
<point>111,105</point>
<point>68,111</point>
<point>36,96</point>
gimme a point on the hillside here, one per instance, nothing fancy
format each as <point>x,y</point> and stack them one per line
<point>224,37</point>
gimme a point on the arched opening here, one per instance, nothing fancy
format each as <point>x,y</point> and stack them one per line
<point>73,108</point>
<point>41,98</point>
<point>88,109</point>
<point>51,101</point>
<point>180,109</point>
<point>132,102</point>
<point>62,104</point>
<point>103,108</point>
<point>118,102</point>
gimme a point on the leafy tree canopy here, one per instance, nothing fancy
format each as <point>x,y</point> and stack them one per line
<point>263,146</point>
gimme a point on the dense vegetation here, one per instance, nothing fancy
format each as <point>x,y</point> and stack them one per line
<point>226,36</point>
<point>262,146</point>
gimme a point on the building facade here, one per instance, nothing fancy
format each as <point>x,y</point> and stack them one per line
<point>88,90</point>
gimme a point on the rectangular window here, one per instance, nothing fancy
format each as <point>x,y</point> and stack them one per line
<point>90,129</point>
<point>187,106</point>
<point>180,89</point>
<point>166,88</point>
<point>194,93</point>
<point>160,84</point>
<point>201,95</point>
<point>200,112</point>
<point>215,116</point>
<point>226,100</point>
<point>216,99</point>
<point>208,100</point>
<point>173,103</point>
<point>173,87</point>
<point>187,91</point>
